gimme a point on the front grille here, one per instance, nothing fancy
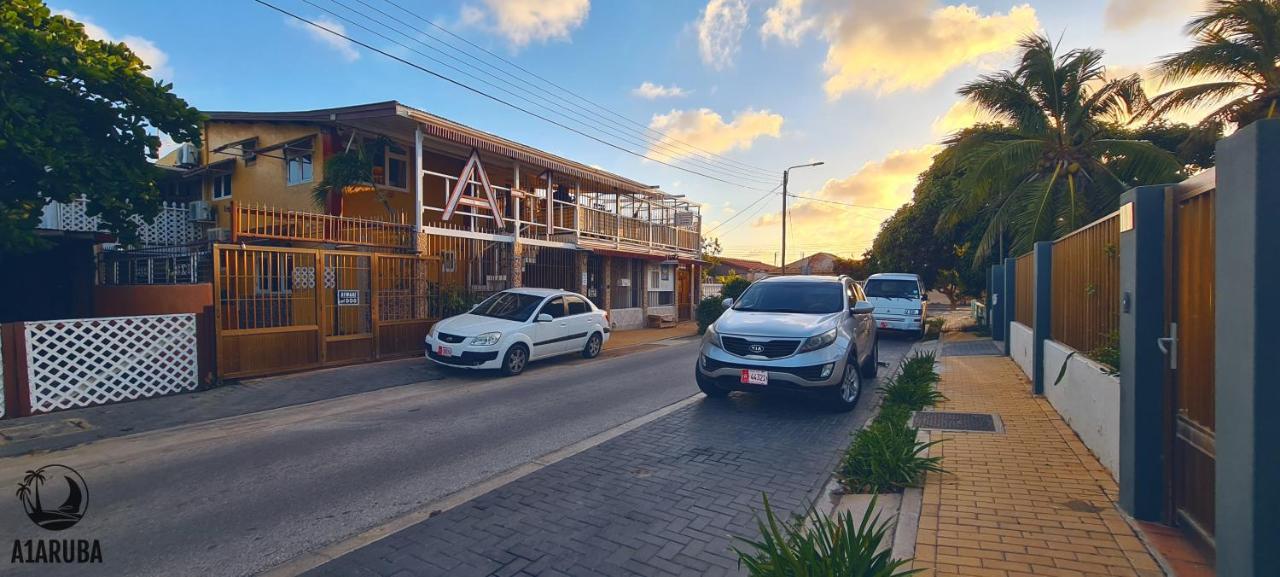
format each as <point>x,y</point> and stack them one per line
<point>769,349</point>
<point>809,373</point>
<point>448,338</point>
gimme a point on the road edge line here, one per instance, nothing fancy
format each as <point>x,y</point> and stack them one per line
<point>312,559</point>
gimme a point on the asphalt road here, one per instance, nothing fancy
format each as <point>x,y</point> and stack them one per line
<point>238,496</point>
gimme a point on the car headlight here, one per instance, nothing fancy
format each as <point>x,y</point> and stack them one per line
<point>486,339</point>
<point>816,342</point>
<point>710,336</point>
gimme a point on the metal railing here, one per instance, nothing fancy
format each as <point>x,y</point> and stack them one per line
<point>260,221</point>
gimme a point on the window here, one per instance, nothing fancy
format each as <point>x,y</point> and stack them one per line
<point>893,288</point>
<point>397,167</point>
<point>512,306</point>
<point>791,297</point>
<point>554,307</point>
<point>448,260</point>
<point>297,161</point>
<point>577,306</point>
<point>220,187</point>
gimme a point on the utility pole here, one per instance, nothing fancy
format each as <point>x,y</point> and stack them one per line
<point>786,175</point>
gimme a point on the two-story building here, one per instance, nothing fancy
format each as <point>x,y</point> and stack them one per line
<point>449,215</point>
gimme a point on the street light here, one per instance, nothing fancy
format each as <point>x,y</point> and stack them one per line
<point>786,174</point>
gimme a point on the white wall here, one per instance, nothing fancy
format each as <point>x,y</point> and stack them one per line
<point>1020,347</point>
<point>627,319</point>
<point>1088,400</point>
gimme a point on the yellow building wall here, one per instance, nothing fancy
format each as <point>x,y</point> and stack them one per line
<point>263,182</point>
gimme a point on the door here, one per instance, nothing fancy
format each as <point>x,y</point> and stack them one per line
<point>1191,357</point>
<point>549,338</point>
<point>684,294</point>
<point>580,323</point>
<point>862,325</point>
<point>346,308</point>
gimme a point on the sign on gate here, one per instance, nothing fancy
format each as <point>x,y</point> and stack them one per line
<point>347,298</point>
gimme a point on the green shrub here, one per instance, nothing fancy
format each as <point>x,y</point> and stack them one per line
<point>733,288</point>
<point>885,458</point>
<point>895,413</point>
<point>910,394</point>
<point>825,547</point>
<point>709,309</point>
<point>920,368</point>
<point>1108,353</point>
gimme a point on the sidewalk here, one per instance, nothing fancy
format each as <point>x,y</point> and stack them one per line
<point>65,429</point>
<point>1031,500</point>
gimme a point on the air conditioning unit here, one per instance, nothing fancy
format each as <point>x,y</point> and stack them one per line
<point>218,235</point>
<point>188,156</point>
<point>199,211</point>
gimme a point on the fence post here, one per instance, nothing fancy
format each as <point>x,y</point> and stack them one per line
<point>1010,299</point>
<point>1142,365</point>
<point>1043,314</point>
<point>996,311</point>
<point>1246,316</point>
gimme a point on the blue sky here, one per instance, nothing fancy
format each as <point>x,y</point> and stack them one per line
<point>867,86</point>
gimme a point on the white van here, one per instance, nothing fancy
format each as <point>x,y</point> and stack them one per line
<point>900,301</point>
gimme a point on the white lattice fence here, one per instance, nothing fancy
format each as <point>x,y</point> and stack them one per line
<point>171,226</point>
<point>82,362</point>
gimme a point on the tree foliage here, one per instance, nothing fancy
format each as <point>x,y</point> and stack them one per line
<point>74,121</point>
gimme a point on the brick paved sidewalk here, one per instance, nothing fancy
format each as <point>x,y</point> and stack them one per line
<point>665,499</point>
<point>1029,501</point>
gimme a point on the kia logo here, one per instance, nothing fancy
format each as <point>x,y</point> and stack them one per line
<point>757,349</point>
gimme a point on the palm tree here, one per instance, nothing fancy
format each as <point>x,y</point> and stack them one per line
<point>1057,158</point>
<point>1237,52</point>
<point>34,478</point>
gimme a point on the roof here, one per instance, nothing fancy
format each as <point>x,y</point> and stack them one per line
<point>751,265</point>
<point>801,278</point>
<point>446,129</point>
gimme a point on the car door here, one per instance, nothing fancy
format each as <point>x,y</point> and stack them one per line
<point>863,324</point>
<point>549,337</point>
<point>580,322</point>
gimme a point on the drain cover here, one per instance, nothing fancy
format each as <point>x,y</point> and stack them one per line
<point>944,421</point>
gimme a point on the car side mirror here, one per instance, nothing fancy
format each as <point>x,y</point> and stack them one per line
<point>726,303</point>
<point>862,308</point>
<point>924,299</point>
<point>544,318</point>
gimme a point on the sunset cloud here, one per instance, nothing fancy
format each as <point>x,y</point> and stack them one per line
<point>1127,14</point>
<point>960,116</point>
<point>651,91</point>
<point>705,129</point>
<point>526,21</point>
<point>720,32</point>
<point>885,47</point>
<point>785,22</point>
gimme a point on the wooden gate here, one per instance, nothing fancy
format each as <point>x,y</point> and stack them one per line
<point>684,293</point>
<point>285,309</point>
<point>1191,349</point>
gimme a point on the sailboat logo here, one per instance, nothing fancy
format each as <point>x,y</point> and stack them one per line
<point>55,497</point>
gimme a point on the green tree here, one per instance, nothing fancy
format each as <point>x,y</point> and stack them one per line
<point>74,122</point>
<point>1236,49</point>
<point>1051,164</point>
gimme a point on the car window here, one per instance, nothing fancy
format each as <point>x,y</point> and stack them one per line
<point>852,291</point>
<point>893,288</point>
<point>508,305</point>
<point>792,297</point>
<point>577,306</point>
<point>554,307</point>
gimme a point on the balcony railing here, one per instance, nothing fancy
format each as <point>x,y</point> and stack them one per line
<point>172,226</point>
<point>257,221</point>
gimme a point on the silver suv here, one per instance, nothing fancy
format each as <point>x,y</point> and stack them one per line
<point>806,333</point>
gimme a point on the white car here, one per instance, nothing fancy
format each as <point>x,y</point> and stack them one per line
<point>516,326</point>
<point>900,301</point>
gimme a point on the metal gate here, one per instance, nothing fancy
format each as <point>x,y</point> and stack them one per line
<point>284,309</point>
<point>1190,342</point>
<point>684,293</point>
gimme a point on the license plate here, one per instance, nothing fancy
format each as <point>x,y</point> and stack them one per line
<point>884,325</point>
<point>444,351</point>
<point>754,377</point>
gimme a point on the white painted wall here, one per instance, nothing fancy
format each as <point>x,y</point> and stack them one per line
<point>1021,347</point>
<point>627,319</point>
<point>1088,400</point>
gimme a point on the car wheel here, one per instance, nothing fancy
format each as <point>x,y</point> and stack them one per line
<point>592,350</point>
<point>872,366</point>
<point>516,359</point>
<point>708,386</point>
<point>850,388</point>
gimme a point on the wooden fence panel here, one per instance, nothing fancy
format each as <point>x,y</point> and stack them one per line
<point>1024,302</point>
<point>1086,285</point>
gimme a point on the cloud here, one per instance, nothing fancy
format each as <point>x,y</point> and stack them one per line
<point>705,129</point>
<point>720,32</point>
<point>653,91</point>
<point>526,21</point>
<point>145,49</point>
<point>345,49</point>
<point>887,183</point>
<point>960,116</point>
<point>785,22</point>
<point>910,44</point>
<point>1126,14</point>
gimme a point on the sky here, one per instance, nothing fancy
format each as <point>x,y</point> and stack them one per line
<point>737,89</point>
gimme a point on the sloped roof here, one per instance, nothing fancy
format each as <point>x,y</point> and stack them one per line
<point>750,265</point>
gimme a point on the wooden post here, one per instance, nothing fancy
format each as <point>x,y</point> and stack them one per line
<point>235,222</point>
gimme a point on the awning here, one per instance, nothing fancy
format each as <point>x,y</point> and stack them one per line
<point>219,168</point>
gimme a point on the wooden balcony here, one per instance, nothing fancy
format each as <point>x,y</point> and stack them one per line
<point>257,221</point>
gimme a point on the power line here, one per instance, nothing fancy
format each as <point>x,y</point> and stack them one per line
<point>572,93</point>
<point>739,225</point>
<point>553,106</point>
<point>492,97</point>
<point>744,209</point>
<point>843,203</point>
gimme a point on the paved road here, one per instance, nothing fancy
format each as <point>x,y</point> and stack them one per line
<point>241,495</point>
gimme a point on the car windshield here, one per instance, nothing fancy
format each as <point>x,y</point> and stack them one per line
<point>892,288</point>
<point>512,306</point>
<point>792,297</point>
